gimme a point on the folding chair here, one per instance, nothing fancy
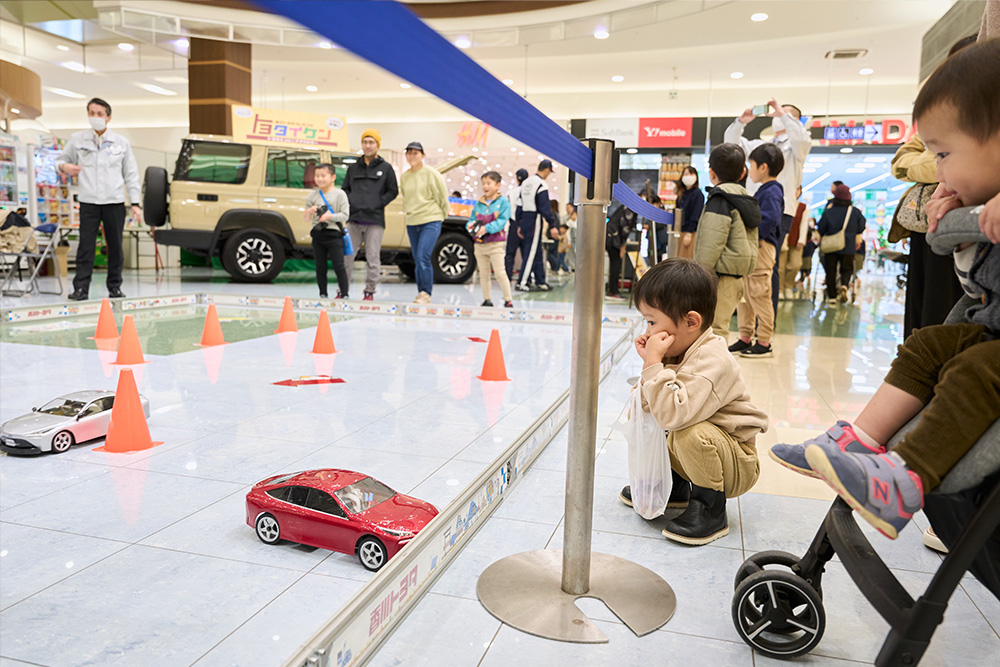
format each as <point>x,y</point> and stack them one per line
<point>39,246</point>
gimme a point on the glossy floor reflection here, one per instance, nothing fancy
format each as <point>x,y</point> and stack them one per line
<point>119,555</point>
<point>145,558</point>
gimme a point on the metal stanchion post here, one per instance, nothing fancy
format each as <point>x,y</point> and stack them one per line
<point>536,591</point>
<point>588,299</point>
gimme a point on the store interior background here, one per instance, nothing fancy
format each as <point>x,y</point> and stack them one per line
<point>599,59</point>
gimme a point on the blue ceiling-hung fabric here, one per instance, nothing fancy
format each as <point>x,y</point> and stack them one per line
<point>392,37</point>
<point>397,40</point>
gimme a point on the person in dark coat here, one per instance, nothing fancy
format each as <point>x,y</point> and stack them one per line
<point>620,225</point>
<point>839,212</point>
<point>690,201</point>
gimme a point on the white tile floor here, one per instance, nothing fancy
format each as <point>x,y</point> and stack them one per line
<point>144,558</point>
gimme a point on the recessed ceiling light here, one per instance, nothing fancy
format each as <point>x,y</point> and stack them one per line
<point>520,152</point>
<point>509,82</point>
<point>846,149</point>
<point>76,67</point>
<point>485,153</point>
<point>736,75</point>
<point>62,47</point>
<point>66,93</point>
<point>15,110</point>
<point>512,149</point>
<point>865,71</point>
<point>183,43</point>
<point>463,42</point>
<point>312,89</point>
<point>451,154</point>
<point>405,86</point>
<point>125,46</point>
<point>601,33</point>
<point>156,89</point>
<point>440,150</point>
<point>758,17</point>
<point>632,151</point>
<point>617,78</point>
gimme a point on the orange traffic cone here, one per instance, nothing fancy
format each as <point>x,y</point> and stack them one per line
<point>287,322</point>
<point>493,366</point>
<point>106,327</point>
<point>324,337</point>
<point>211,334</point>
<point>129,349</point>
<point>128,430</point>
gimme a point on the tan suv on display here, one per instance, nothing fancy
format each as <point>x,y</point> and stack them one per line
<point>244,203</point>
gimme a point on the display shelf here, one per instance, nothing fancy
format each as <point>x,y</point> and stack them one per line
<point>55,191</point>
<point>8,175</point>
<point>671,167</point>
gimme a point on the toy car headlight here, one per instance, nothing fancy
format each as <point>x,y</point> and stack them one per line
<point>396,533</point>
<point>42,431</point>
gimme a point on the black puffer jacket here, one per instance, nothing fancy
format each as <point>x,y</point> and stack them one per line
<point>370,187</point>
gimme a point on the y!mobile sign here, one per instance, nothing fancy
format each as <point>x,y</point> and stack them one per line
<point>665,132</point>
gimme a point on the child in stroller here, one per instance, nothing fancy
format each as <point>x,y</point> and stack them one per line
<point>950,373</point>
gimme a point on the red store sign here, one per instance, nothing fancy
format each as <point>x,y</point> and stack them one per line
<point>664,132</point>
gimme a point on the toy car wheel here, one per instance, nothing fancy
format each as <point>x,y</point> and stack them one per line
<point>268,529</point>
<point>778,614</point>
<point>253,256</point>
<point>372,553</point>
<point>62,441</point>
<point>453,259</point>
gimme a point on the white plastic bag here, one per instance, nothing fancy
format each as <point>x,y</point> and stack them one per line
<point>648,458</point>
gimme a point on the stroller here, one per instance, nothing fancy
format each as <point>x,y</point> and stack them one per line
<point>779,612</point>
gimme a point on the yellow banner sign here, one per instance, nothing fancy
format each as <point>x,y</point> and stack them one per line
<point>290,128</point>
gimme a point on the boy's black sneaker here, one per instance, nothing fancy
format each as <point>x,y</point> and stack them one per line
<point>508,304</point>
<point>323,295</point>
<point>757,350</point>
<point>486,304</point>
<point>626,496</point>
<point>739,346</point>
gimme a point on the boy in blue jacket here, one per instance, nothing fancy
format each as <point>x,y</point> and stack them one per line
<point>487,224</point>
<point>766,162</point>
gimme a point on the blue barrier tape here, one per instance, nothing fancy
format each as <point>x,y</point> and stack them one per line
<point>398,41</point>
<point>632,201</point>
<point>440,68</point>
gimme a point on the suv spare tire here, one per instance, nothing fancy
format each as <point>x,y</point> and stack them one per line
<point>453,258</point>
<point>154,196</point>
<point>253,256</point>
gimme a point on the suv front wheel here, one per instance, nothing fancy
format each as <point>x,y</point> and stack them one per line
<point>453,259</point>
<point>253,256</point>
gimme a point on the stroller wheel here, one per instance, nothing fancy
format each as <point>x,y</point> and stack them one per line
<point>759,561</point>
<point>778,614</point>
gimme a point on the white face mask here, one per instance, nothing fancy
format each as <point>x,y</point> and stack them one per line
<point>688,180</point>
<point>97,123</point>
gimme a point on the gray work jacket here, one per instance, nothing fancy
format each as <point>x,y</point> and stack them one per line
<point>108,167</point>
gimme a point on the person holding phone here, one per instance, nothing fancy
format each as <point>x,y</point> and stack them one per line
<point>793,138</point>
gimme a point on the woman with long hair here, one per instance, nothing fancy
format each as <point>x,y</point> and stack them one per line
<point>690,201</point>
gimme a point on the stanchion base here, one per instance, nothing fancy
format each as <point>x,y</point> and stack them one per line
<point>525,592</point>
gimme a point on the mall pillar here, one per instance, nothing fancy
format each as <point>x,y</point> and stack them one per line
<point>219,76</point>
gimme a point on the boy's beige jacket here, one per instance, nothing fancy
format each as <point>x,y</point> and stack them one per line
<point>705,385</point>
